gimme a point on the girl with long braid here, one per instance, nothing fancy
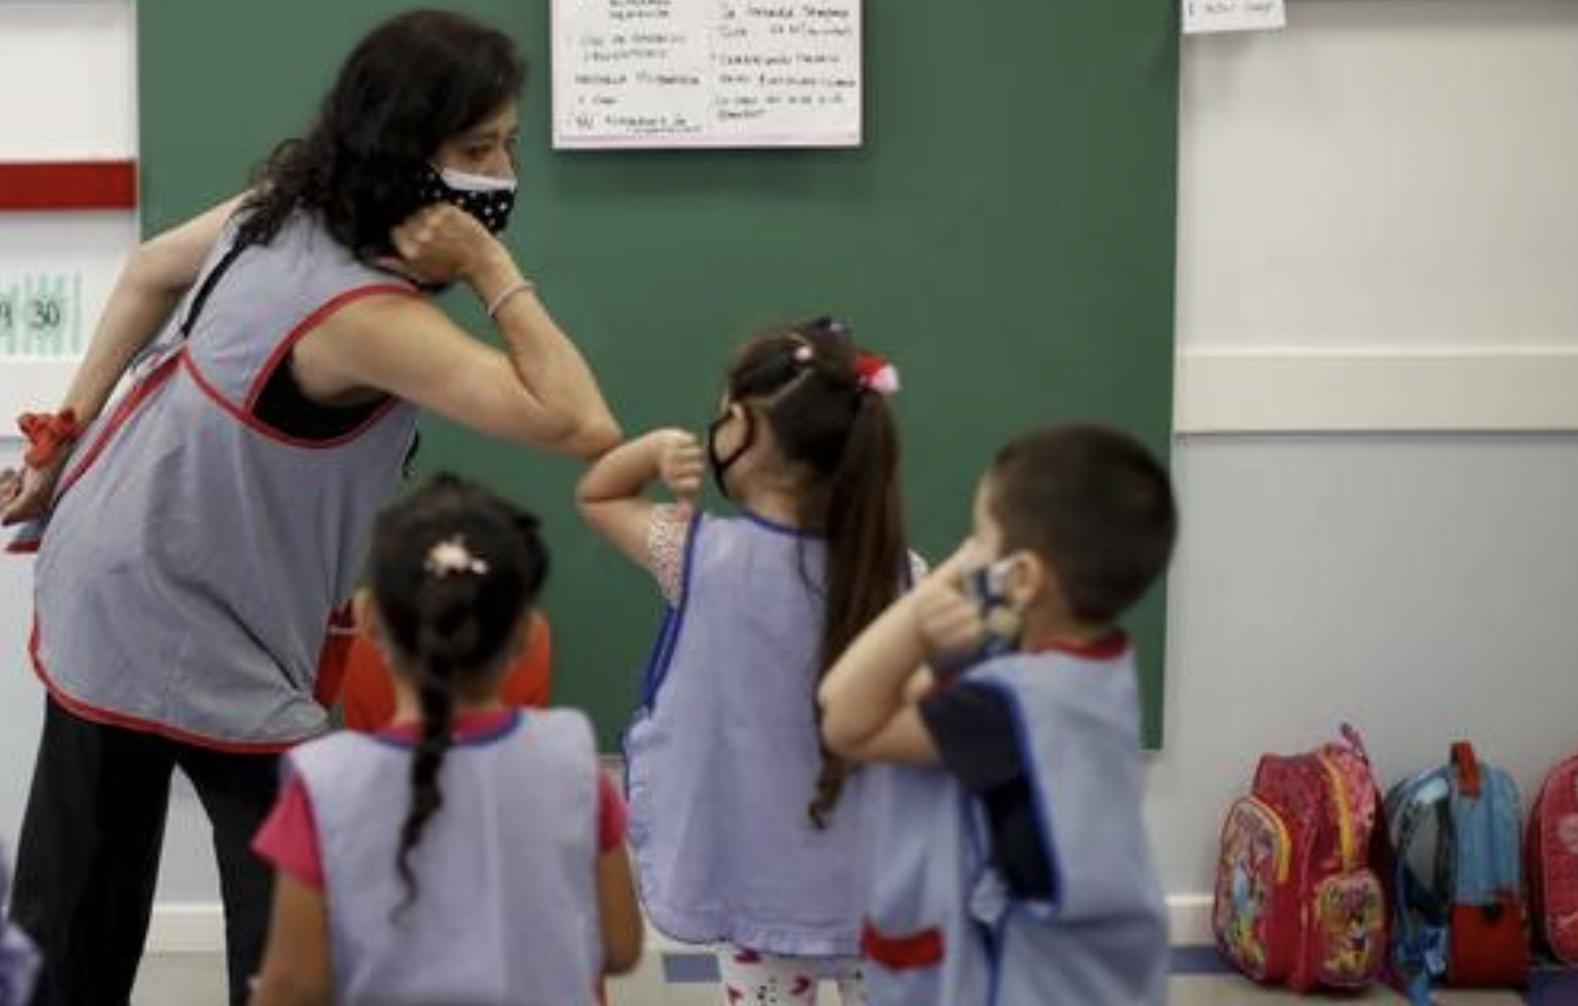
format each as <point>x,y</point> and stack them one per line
<point>501,876</point>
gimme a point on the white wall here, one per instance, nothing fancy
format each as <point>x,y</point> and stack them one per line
<point>68,76</point>
<point>1378,233</point>
<point>1424,588</point>
<point>1377,223</point>
<point>1375,197</point>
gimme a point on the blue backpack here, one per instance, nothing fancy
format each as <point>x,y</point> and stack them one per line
<point>1458,878</point>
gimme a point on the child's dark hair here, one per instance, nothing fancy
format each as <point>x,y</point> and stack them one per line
<point>454,567</point>
<point>804,382</point>
<point>1092,502</point>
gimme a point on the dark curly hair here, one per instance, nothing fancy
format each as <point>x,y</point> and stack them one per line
<point>415,81</point>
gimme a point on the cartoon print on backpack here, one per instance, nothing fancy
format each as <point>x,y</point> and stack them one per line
<point>1249,867</point>
<point>1352,916</point>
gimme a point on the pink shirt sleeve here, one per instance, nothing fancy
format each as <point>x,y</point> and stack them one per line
<point>611,813</point>
<point>289,837</point>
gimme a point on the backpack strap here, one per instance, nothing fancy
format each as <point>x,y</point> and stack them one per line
<point>1419,942</point>
<point>1350,733</point>
<point>1486,827</point>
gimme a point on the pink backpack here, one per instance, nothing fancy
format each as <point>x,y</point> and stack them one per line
<point>1299,897</point>
<point>1553,861</point>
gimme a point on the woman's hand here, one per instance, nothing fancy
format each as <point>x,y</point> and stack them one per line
<point>443,243</point>
<point>25,492</point>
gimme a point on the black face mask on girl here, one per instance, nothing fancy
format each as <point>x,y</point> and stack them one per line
<point>488,199</point>
<point>721,465</point>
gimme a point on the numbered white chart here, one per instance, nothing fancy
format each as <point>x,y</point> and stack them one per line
<point>41,315</point>
<point>706,73</point>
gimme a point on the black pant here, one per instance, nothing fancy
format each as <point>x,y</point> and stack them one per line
<point>89,854</point>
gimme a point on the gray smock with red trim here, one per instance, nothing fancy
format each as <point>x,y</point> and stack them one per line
<point>194,555</point>
<point>506,898</point>
<point>944,926</point>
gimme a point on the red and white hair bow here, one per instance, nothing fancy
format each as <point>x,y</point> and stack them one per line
<point>877,373</point>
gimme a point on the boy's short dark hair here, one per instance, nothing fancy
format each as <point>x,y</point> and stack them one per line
<point>1095,504</point>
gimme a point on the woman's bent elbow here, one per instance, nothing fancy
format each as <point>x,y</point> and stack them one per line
<point>591,438</point>
<point>566,433</point>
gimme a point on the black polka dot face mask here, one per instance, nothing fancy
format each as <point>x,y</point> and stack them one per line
<point>485,197</point>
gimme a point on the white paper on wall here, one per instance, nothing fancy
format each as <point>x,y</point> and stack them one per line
<point>706,73</point>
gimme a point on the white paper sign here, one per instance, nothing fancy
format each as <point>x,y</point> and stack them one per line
<point>706,73</point>
<point>1201,16</point>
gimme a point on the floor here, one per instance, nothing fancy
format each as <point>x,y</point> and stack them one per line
<point>688,979</point>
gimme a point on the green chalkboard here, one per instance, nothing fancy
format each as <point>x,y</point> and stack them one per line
<point>1006,234</point>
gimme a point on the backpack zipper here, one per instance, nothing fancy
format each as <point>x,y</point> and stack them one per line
<point>1344,819</point>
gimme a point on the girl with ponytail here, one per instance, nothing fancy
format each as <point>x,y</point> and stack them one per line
<point>471,852</point>
<point>746,830</point>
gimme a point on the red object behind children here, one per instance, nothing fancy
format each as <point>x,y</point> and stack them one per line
<point>368,697</point>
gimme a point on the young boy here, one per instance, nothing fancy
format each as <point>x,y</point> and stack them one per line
<point>1013,862</point>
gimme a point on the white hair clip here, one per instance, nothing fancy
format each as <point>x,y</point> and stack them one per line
<point>451,556</point>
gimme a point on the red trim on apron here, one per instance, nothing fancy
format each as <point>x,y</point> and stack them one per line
<point>92,713</point>
<point>311,321</point>
<point>123,412</point>
<point>327,686</point>
<point>1108,647</point>
<point>252,422</point>
<point>900,953</point>
<point>243,413</point>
